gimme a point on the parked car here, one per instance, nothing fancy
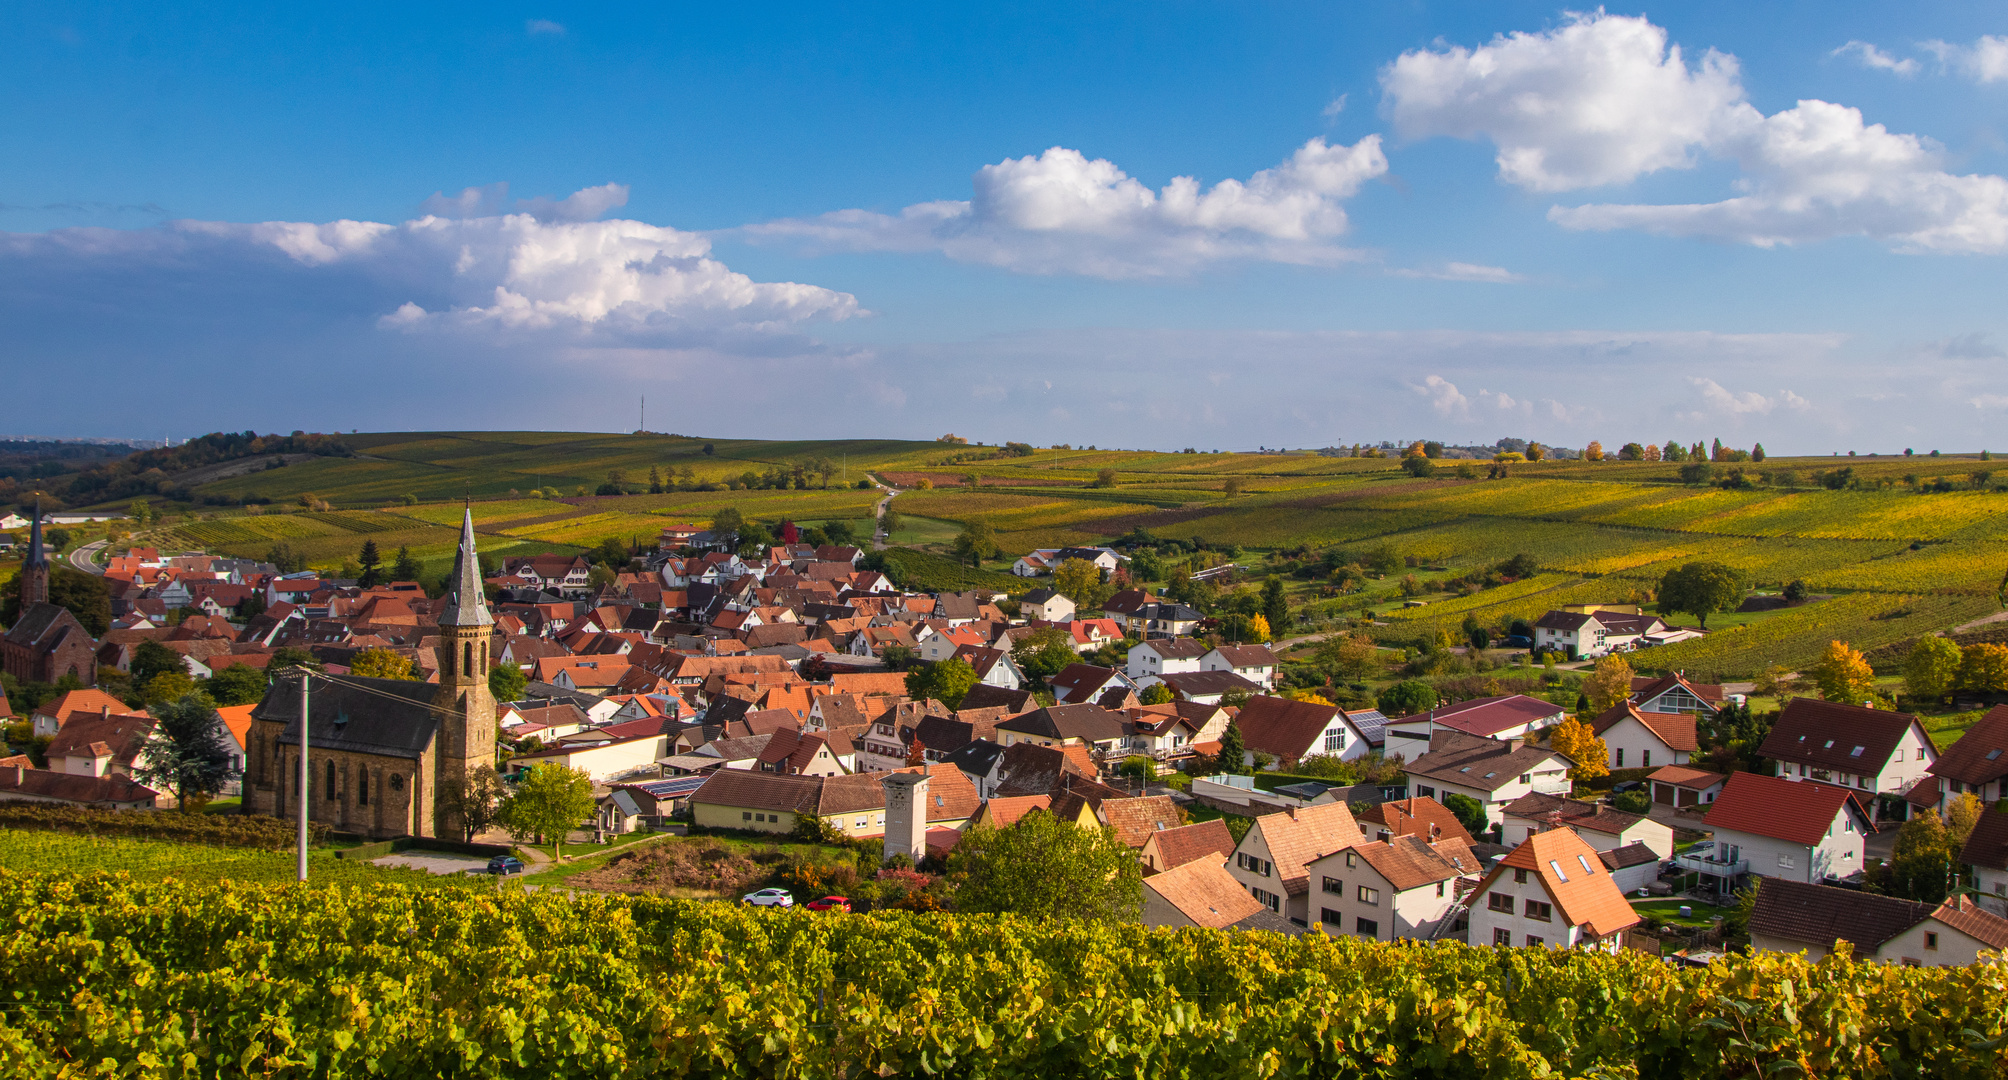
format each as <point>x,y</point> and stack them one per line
<point>1628,785</point>
<point>505,864</point>
<point>830,903</point>
<point>769,898</point>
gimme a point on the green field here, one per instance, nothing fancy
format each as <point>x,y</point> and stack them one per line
<point>35,851</point>
<point>1899,562</point>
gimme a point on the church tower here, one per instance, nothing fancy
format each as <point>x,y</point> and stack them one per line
<point>467,710</point>
<point>35,572</point>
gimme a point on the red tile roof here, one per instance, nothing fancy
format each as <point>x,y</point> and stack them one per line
<point>1488,716</point>
<point>1781,809</point>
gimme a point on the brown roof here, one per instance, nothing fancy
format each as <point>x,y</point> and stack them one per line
<point>1781,809</point>
<point>1676,730</point>
<point>1835,736</point>
<point>1248,655</point>
<point>1573,813</point>
<point>985,696</point>
<point>69,788</point>
<point>1205,893</point>
<point>1980,755</point>
<point>1822,914</point>
<point>1031,769</point>
<point>1988,844</point>
<point>1409,862</point>
<point>1004,812</point>
<point>1190,843</point>
<point>1299,835</point>
<point>1646,687</point>
<point>118,735</point>
<point>1282,727</point>
<point>1178,648</point>
<point>1208,683</point>
<point>1682,776</point>
<point>1078,683</point>
<point>1475,762</point>
<point>1963,915</point>
<point>1089,723</point>
<point>1419,816</point>
<point>1587,897</point>
<point>1137,820</point>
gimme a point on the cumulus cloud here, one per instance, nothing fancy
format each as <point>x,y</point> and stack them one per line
<point>489,200</point>
<point>1871,57</point>
<point>1984,61</point>
<point>1601,99</point>
<point>1443,396</point>
<point>551,268</point>
<point>1722,401</point>
<point>1605,99</point>
<point>1062,212</point>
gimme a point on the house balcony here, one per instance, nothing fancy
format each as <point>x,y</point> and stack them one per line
<point>1713,867</point>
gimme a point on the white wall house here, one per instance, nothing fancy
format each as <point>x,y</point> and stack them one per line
<point>1869,750</point>
<point>1552,891</point>
<point>1403,887</point>
<point>1763,825</point>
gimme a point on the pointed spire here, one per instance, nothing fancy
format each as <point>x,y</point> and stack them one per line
<point>465,604</point>
<point>37,554</point>
<point>35,571</point>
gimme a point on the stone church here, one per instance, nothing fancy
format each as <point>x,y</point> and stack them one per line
<point>46,642</point>
<point>381,751</point>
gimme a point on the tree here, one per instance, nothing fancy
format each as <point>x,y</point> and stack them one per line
<point>611,552</point>
<point>889,521</point>
<point>1432,449</point>
<point>1232,487</point>
<point>550,801</point>
<point>1931,671</point>
<point>1573,739</point>
<point>190,753</point>
<point>947,681</point>
<point>976,542</point>
<point>1355,656</point>
<point>1406,697</point>
<point>369,560</point>
<point>1795,592</point>
<point>1962,813</point>
<point>1469,812</point>
<point>1045,868</point>
<point>1695,472</point>
<point>473,801</point>
<point>405,568</point>
<point>1233,755</point>
<point>1700,589</point>
<point>1145,565</point>
<point>150,658</point>
<point>1258,630</point>
<point>1635,801</point>
<point>754,539</point>
<point>1924,863</point>
<point>1535,451</point>
<point>381,664</point>
<point>1609,684</point>
<point>1594,451</point>
<point>1080,581</point>
<point>1844,675</point>
<point>1419,467</point>
<point>1631,451</point>
<point>167,686</point>
<point>1044,653</point>
<point>238,684</point>
<point>1275,606</point>
<point>1104,478</point>
<point>727,521</point>
<point>1156,694</point>
<point>506,682</point>
<point>1757,452</point>
<point>84,595</point>
<point>1520,566</point>
<point>1983,668</point>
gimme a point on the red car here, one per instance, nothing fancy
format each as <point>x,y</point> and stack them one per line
<point>830,903</point>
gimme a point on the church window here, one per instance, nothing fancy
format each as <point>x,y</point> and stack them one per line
<point>333,787</point>
<point>396,782</point>
<point>466,658</point>
<point>363,788</point>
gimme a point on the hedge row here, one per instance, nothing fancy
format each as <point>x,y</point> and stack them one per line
<point>107,977</point>
<point>228,830</point>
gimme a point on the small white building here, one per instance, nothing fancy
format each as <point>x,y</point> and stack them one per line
<point>1551,891</point>
<point>1807,832</point>
<point>1252,662</point>
<point>1402,887</point>
<point>1149,661</point>
<point>1873,751</point>
<point>1636,739</point>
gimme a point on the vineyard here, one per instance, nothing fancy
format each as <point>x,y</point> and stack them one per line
<point>23,851</point>
<point>112,977</point>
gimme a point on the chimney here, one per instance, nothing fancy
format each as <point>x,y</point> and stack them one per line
<point>1516,744</point>
<point>905,815</point>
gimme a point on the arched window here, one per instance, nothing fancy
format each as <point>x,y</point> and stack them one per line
<point>363,788</point>
<point>333,787</point>
<point>467,658</point>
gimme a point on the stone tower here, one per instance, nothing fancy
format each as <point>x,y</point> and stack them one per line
<point>467,710</point>
<point>35,571</point>
<point>905,815</point>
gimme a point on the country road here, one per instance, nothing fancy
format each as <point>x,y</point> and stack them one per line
<point>84,557</point>
<point>878,513</point>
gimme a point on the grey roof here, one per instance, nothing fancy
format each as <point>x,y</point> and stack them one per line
<point>625,800</point>
<point>1474,761</point>
<point>37,621</point>
<point>1089,723</point>
<point>975,758</point>
<point>465,604</point>
<point>38,557</point>
<point>388,717</point>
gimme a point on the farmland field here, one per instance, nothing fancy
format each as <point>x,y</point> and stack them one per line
<point>36,851</point>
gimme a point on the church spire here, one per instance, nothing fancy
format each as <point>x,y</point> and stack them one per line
<point>35,571</point>
<point>465,604</point>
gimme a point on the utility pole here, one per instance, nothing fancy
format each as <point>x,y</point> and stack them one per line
<point>304,772</point>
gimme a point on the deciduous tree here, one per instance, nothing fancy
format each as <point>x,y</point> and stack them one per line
<point>1044,653</point>
<point>550,801</point>
<point>1080,581</point>
<point>238,684</point>
<point>191,751</point>
<point>947,681</point>
<point>1156,694</point>
<point>1983,668</point>
<point>1574,740</point>
<point>1844,675</point>
<point>506,682</point>
<point>1354,656</point>
<point>1609,684</point>
<point>1046,868</point>
<point>1406,697</point>
<point>380,664</point>
<point>1699,589</point>
<point>1931,671</point>
<point>167,686</point>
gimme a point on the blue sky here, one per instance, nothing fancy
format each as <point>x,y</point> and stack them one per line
<point>1442,221</point>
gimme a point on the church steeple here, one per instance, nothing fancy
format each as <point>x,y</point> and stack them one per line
<point>466,605</point>
<point>467,724</point>
<point>35,571</point>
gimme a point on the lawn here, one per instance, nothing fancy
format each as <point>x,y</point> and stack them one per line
<point>1668,911</point>
<point>34,851</point>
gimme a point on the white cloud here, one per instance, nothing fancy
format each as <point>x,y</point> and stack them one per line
<point>1463,271</point>
<point>1443,396</point>
<point>1872,57</point>
<point>1337,106</point>
<point>544,27</point>
<point>586,204</point>
<point>1605,99</point>
<point>1984,61</point>
<point>1749,402</point>
<point>1062,212</point>
<point>1601,99</point>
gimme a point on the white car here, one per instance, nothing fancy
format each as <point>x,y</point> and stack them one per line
<point>769,898</point>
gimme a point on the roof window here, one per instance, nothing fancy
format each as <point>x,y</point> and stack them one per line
<point>1994,753</point>
<point>1584,859</point>
<point>1857,751</point>
<point>1557,868</point>
<point>1829,746</point>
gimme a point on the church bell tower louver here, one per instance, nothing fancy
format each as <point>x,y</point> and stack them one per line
<point>467,724</point>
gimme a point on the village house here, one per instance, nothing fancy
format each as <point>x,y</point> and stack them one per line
<point>1600,826</point>
<point>1550,891</point>
<point>1290,731</point>
<point>1493,772</point>
<point>1986,858</point>
<point>1793,916</point>
<point>1271,861</point>
<point>1675,693</point>
<point>1201,893</point>
<point>1057,725</point>
<point>1874,751</point>
<point>1637,739</point>
<point>1147,661</point>
<point>1252,662</point>
<point>1046,605</point>
<point>1680,786</point>
<point>1169,849</point>
<point>1800,831</point>
<point>1588,631</point>
<point>1414,816</point>
<point>1977,764</point>
<point>1209,687</point>
<point>1507,717</point>
<point>1402,887</point>
<point>18,783</point>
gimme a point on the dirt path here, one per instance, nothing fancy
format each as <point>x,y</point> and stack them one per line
<point>878,512</point>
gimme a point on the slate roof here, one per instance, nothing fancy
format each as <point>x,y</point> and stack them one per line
<point>1822,914</point>
<point>1677,730</point>
<point>1177,648</point>
<point>975,759</point>
<point>1980,755</point>
<point>1474,762</point>
<point>1078,683</point>
<point>1242,656</point>
<point>1781,809</point>
<point>1031,769</point>
<point>387,717</point>
<point>1829,735</point>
